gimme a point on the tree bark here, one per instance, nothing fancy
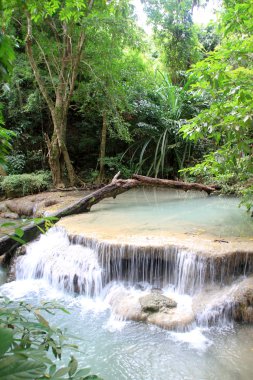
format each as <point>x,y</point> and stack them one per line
<point>174,184</point>
<point>2,171</point>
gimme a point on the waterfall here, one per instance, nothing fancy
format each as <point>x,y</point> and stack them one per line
<point>68,267</point>
<point>100,269</point>
<point>87,269</point>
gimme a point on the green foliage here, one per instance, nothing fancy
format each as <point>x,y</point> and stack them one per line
<point>5,142</point>
<point>57,33</point>
<point>24,114</point>
<point>15,230</point>
<point>209,37</point>
<point>28,343</point>
<point>226,76</point>
<point>6,55</point>
<point>6,58</point>
<point>247,197</point>
<point>173,26</point>
<point>160,149</point>
<point>116,164</point>
<point>18,185</point>
<point>15,164</point>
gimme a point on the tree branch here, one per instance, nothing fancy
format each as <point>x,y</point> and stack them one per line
<point>34,66</point>
<point>47,64</point>
<point>91,3</point>
<point>76,63</point>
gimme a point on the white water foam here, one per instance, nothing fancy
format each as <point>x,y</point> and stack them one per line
<point>194,338</point>
<point>73,268</point>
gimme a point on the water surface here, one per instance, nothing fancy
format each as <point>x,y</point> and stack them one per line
<point>119,350</point>
<point>160,211</point>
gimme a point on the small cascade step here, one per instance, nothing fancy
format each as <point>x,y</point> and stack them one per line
<point>123,274</point>
<point>187,270</point>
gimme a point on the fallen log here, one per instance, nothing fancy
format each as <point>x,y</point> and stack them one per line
<point>116,187</point>
<point>186,186</point>
<point>119,186</point>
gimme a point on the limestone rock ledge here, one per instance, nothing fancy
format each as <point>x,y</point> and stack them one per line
<point>234,302</point>
<point>242,310</point>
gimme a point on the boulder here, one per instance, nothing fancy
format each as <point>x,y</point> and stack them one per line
<point>10,215</point>
<point>22,207</point>
<point>3,208</point>
<point>233,301</point>
<point>172,319</point>
<point>154,302</point>
<point>154,308</point>
<point>242,306</point>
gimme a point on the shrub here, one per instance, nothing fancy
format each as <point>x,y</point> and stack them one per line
<point>18,185</point>
<point>30,348</point>
<point>16,163</point>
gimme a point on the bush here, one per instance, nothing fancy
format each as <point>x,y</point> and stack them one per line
<point>30,348</point>
<point>18,185</point>
<point>16,163</point>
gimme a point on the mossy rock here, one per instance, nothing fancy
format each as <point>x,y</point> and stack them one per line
<point>155,302</point>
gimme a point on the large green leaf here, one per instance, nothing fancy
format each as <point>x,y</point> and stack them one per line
<point>18,368</point>
<point>6,339</point>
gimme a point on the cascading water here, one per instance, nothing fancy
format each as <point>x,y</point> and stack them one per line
<point>68,267</point>
<point>102,282</point>
<point>116,274</point>
<point>86,270</point>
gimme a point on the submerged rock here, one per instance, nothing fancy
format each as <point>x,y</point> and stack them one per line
<point>172,319</point>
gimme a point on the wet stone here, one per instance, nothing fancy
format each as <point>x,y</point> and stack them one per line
<point>154,302</point>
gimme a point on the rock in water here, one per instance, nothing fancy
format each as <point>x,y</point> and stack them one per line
<point>242,310</point>
<point>156,302</point>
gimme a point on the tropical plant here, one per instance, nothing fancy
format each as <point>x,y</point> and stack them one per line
<point>226,76</point>
<point>159,147</point>
<point>6,59</point>
<point>112,63</point>
<point>5,143</point>
<point>6,55</point>
<point>16,230</point>
<point>18,185</point>
<point>30,348</point>
<point>25,114</point>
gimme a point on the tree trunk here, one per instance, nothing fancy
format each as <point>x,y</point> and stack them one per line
<point>2,171</point>
<point>54,161</point>
<point>102,149</point>
<point>59,159</point>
